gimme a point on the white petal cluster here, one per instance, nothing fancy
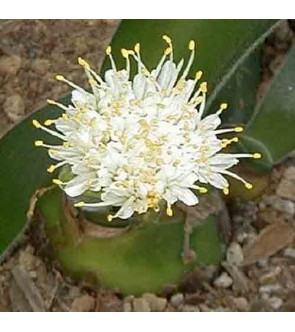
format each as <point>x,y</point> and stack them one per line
<point>142,141</point>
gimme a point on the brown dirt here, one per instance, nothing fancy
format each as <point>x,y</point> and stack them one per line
<point>32,52</point>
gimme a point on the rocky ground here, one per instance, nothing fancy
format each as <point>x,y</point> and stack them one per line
<point>258,273</point>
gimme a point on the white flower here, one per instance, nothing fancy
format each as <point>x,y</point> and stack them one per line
<point>137,142</point>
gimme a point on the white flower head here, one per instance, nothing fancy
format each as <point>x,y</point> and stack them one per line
<point>144,140</point>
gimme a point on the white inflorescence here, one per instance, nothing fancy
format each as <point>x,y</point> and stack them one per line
<point>141,141</point>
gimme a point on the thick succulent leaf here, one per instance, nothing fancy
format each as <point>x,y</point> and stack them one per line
<point>22,172</point>
<point>144,259</point>
<point>222,46</point>
<point>272,128</point>
<point>239,91</point>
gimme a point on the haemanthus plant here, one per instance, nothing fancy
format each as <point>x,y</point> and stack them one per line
<point>137,143</point>
<point>135,151</point>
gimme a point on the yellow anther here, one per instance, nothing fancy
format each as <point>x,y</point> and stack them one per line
<point>168,51</point>
<point>36,123</point>
<point>257,155</point>
<point>223,106</point>
<point>137,48</point>
<point>110,218</point>
<point>248,185</point>
<point>48,122</point>
<point>83,63</point>
<point>125,53</point>
<point>145,72</point>
<point>199,74</point>
<point>226,191</point>
<point>65,116</point>
<point>51,169</point>
<point>59,78</point>
<point>79,204</point>
<point>203,87</point>
<point>169,212</point>
<point>239,129</point>
<point>203,190</point>
<point>108,50</point>
<point>167,39</point>
<point>235,139</point>
<point>192,45</point>
<point>39,143</point>
<point>199,100</point>
<point>51,102</point>
<point>91,81</point>
<point>57,181</point>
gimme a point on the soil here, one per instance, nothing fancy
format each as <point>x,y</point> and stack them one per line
<point>254,276</point>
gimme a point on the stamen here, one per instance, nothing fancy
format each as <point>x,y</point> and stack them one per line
<point>49,122</point>
<point>83,63</point>
<point>203,87</point>
<point>203,190</point>
<point>137,48</point>
<point>168,40</point>
<point>110,218</point>
<point>73,85</point>
<point>198,75</point>
<point>126,54</point>
<point>225,191</point>
<point>191,47</point>
<point>257,155</point>
<point>38,125</point>
<point>239,129</point>
<point>53,102</point>
<point>58,182</point>
<point>169,211</point>
<point>249,185</point>
<point>228,130</point>
<point>109,53</point>
<point>52,168</point>
<point>237,177</point>
<point>226,142</point>
<point>39,143</point>
<point>79,204</point>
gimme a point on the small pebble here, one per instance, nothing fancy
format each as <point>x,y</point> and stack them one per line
<point>204,308</point>
<point>176,300</point>
<point>157,304</point>
<point>127,307</point>
<point>84,303</point>
<point>270,288</point>
<point>275,302</point>
<point>234,254</point>
<point>190,308</point>
<point>285,206</point>
<point>223,281</point>
<point>141,305</point>
<point>14,107</point>
<point>289,252</point>
<point>241,304</point>
<point>10,65</point>
<point>27,260</point>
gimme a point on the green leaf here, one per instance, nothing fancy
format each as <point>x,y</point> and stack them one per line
<point>222,47</point>
<point>144,259</point>
<point>22,172</point>
<point>220,43</point>
<point>239,91</point>
<point>272,126</point>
